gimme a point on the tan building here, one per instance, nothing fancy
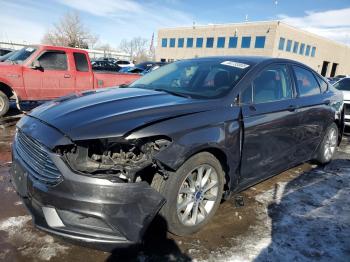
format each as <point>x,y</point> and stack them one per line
<point>274,38</point>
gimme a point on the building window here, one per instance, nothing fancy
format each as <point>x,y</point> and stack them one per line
<point>289,46</point>
<point>246,42</point>
<point>180,42</point>
<point>232,43</point>
<point>281,43</point>
<point>260,41</point>
<point>164,42</point>
<point>172,42</point>
<point>295,47</point>
<point>210,42</point>
<point>199,42</point>
<point>307,51</point>
<point>302,49</point>
<point>313,51</point>
<point>189,42</point>
<point>221,42</point>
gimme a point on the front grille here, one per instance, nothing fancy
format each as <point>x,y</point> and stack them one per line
<point>37,159</point>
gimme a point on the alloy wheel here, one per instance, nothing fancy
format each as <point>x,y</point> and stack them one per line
<point>330,144</point>
<point>2,104</point>
<point>197,195</point>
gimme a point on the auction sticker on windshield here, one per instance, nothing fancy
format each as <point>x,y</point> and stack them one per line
<point>235,64</point>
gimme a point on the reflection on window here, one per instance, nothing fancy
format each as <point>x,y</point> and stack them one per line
<point>295,47</point>
<point>260,42</point>
<point>289,46</point>
<point>232,43</point>
<point>246,41</point>
<point>210,42</point>
<point>172,42</point>
<point>189,42</point>
<point>302,49</point>
<point>313,51</point>
<point>306,82</point>
<point>221,42</point>
<point>164,42</point>
<point>281,43</point>
<point>307,51</point>
<point>180,42</point>
<point>199,42</point>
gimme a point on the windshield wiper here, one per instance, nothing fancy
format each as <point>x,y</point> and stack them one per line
<point>172,92</point>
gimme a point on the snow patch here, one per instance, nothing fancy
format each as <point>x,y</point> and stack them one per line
<point>29,241</point>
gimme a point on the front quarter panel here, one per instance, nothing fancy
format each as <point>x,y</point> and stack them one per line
<point>211,130</point>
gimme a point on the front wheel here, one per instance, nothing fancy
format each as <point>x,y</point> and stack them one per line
<point>328,145</point>
<point>193,194</point>
<point>4,104</point>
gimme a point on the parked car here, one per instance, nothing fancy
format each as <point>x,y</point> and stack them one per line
<point>344,86</point>
<point>97,167</point>
<point>46,72</point>
<point>146,67</point>
<point>3,58</point>
<point>124,63</point>
<point>4,51</point>
<point>105,65</point>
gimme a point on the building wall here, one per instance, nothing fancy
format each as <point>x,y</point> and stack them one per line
<point>325,49</point>
<point>266,29</point>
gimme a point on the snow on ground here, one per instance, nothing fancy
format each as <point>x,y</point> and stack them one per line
<point>28,241</point>
<point>305,219</point>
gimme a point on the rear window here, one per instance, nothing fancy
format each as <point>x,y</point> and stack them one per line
<point>81,62</point>
<point>53,60</point>
<point>306,82</point>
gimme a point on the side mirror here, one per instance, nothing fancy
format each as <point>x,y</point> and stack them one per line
<point>36,65</point>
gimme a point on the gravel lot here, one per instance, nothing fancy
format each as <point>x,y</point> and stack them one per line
<point>300,215</point>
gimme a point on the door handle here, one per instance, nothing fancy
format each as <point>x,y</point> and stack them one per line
<point>66,76</point>
<point>292,108</point>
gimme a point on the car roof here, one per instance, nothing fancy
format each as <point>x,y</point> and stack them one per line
<point>249,59</point>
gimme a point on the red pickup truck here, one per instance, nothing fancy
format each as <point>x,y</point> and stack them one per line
<point>39,73</point>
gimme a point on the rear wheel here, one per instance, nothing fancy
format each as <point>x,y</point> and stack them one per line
<point>4,104</point>
<point>193,193</point>
<point>328,145</point>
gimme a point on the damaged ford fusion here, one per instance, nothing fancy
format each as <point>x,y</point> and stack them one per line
<point>99,166</point>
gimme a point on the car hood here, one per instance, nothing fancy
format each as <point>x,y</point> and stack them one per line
<point>114,112</point>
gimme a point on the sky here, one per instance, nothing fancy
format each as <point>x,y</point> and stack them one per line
<point>26,21</point>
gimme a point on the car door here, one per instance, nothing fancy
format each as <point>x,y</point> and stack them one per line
<point>270,124</point>
<point>84,77</point>
<point>314,110</point>
<point>53,79</point>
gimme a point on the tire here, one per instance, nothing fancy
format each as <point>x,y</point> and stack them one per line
<point>4,104</point>
<point>179,210</point>
<point>328,145</point>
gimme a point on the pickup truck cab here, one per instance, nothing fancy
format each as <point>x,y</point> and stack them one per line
<point>37,73</point>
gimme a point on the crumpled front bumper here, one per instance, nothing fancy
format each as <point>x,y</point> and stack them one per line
<point>82,208</point>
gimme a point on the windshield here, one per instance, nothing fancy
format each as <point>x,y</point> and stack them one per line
<point>343,85</point>
<point>210,78</point>
<point>22,55</point>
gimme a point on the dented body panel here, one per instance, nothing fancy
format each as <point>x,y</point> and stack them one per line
<point>106,144</point>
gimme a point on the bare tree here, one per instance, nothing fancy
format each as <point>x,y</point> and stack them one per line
<point>70,31</point>
<point>136,48</point>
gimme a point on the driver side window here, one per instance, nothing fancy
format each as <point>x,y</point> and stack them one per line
<point>53,60</point>
<point>272,84</point>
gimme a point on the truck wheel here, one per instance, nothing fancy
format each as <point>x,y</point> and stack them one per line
<point>4,104</point>
<point>328,145</point>
<point>193,193</point>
